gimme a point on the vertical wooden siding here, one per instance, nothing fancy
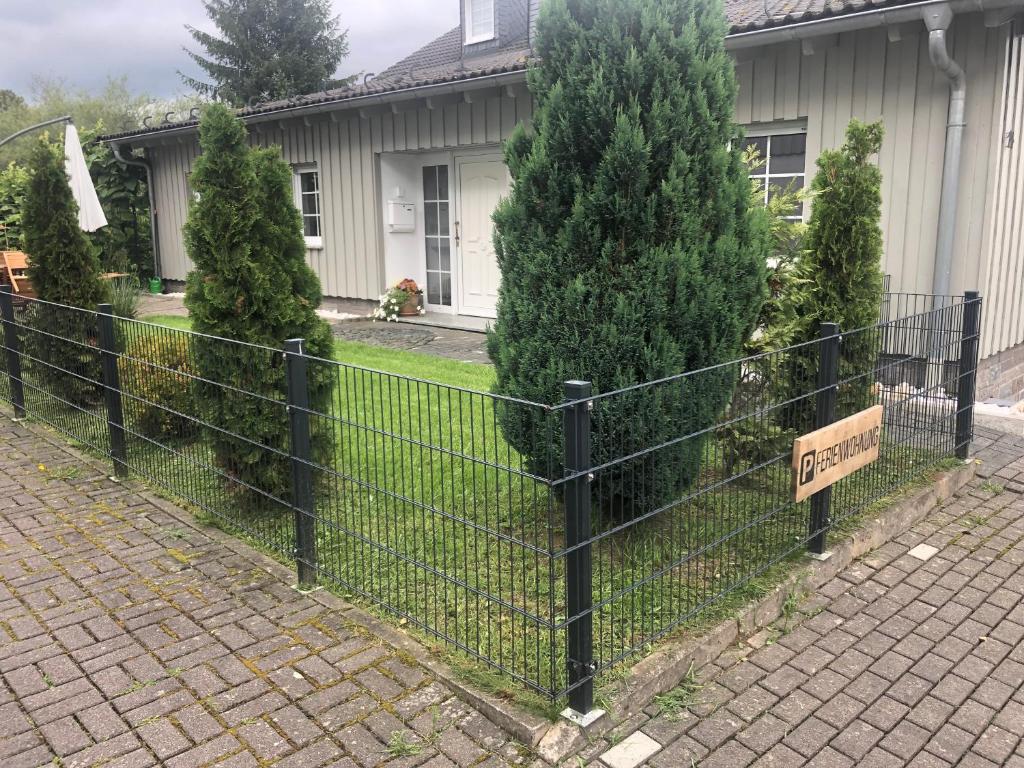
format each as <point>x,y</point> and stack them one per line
<point>864,75</point>
<point>1003,287</point>
<point>345,150</point>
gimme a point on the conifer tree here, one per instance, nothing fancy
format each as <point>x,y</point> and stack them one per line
<point>63,267</point>
<point>628,247</point>
<point>842,266</point>
<point>250,284</point>
<point>64,270</point>
<point>268,49</point>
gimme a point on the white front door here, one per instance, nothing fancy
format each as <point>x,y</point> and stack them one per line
<point>483,181</point>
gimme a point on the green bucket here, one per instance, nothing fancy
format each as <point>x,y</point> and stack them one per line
<point>155,285</point>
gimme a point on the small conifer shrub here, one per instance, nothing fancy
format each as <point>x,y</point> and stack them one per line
<point>250,284</point>
<point>63,269</point>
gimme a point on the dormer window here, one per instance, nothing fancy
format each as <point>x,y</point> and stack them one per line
<point>479,21</point>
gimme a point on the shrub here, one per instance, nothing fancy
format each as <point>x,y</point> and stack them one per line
<point>63,269</point>
<point>13,186</point>
<point>157,371</point>
<point>124,296</point>
<point>251,284</point>
<point>842,267</point>
<point>754,435</point>
<point>628,246</point>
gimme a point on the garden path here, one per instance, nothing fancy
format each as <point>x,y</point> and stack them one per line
<point>453,343</point>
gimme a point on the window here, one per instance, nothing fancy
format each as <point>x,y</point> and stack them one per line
<point>780,163</point>
<point>479,21</point>
<point>436,228</point>
<point>307,200</point>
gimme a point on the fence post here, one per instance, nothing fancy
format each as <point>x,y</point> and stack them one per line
<point>112,390</point>
<point>578,565</point>
<point>825,414</point>
<point>302,470</point>
<point>967,380</point>
<point>17,385</point>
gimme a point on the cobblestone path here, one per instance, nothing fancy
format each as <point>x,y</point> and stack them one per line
<point>912,656</point>
<point>130,638</point>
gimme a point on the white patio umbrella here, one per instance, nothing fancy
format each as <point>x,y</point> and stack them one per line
<point>90,213</point>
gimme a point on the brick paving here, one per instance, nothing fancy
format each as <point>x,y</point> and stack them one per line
<point>899,661</point>
<point>131,638</point>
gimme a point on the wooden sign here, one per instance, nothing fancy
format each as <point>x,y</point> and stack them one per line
<point>829,454</point>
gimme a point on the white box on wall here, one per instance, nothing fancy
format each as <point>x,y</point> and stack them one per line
<point>401,216</point>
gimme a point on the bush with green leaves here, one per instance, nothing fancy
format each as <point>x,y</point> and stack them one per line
<point>13,186</point>
<point>251,283</point>
<point>841,269</point>
<point>125,244</point>
<point>628,245</point>
<point>63,269</point>
<point>753,433</point>
<point>156,371</point>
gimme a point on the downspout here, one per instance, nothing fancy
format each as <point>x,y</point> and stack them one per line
<point>937,20</point>
<point>154,235</point>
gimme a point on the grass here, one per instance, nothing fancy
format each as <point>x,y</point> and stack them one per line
<point>402,745</point>
<point>684,695</point>
<point>426,510</point>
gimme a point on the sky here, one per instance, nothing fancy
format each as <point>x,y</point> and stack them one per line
<point>84,42</point>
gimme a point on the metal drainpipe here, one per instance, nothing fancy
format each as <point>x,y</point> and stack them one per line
<point>154,236</point>
<point>937,20</point>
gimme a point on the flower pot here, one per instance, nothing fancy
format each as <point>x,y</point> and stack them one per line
<point>411,308</point>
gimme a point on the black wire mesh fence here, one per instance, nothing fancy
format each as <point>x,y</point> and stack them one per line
<point>627,513</point>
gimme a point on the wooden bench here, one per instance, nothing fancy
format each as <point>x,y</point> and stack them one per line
<point>15,273</point>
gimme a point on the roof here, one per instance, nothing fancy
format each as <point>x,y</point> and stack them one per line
<point>749,15</point>
<point>440,61</point>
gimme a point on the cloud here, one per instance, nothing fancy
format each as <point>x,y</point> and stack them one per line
<point>83,42</point>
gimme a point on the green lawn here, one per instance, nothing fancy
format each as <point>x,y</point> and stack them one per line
<point>427,510</point>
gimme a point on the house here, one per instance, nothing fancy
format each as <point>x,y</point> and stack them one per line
<point>397,176</point>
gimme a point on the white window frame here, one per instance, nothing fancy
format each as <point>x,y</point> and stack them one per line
<point>297,172</point>
<point>764,173</point>
<point>470,37</point>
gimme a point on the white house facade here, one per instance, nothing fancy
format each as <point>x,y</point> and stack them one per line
<point>397,177</point>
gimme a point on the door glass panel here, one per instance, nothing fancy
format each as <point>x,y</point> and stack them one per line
<point>433,288</point>
<point>442,218</point>
<point>436,235</point>
<point>446,288</point>
<point>430,218</point>
<point>442,182</point>
<point>430,182</point>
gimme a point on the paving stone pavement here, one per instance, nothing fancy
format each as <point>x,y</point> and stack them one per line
<point>130,639</point>
<point>899,661</point>
<point>468,346</point>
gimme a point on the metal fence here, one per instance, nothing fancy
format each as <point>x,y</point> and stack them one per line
<point>549,541</point>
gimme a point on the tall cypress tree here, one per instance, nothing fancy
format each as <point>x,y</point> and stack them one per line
<point>628,248</point>
<point>64,270</point>
<point>268,49</point>
<point>63,267</point>
<point>250,284</point>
